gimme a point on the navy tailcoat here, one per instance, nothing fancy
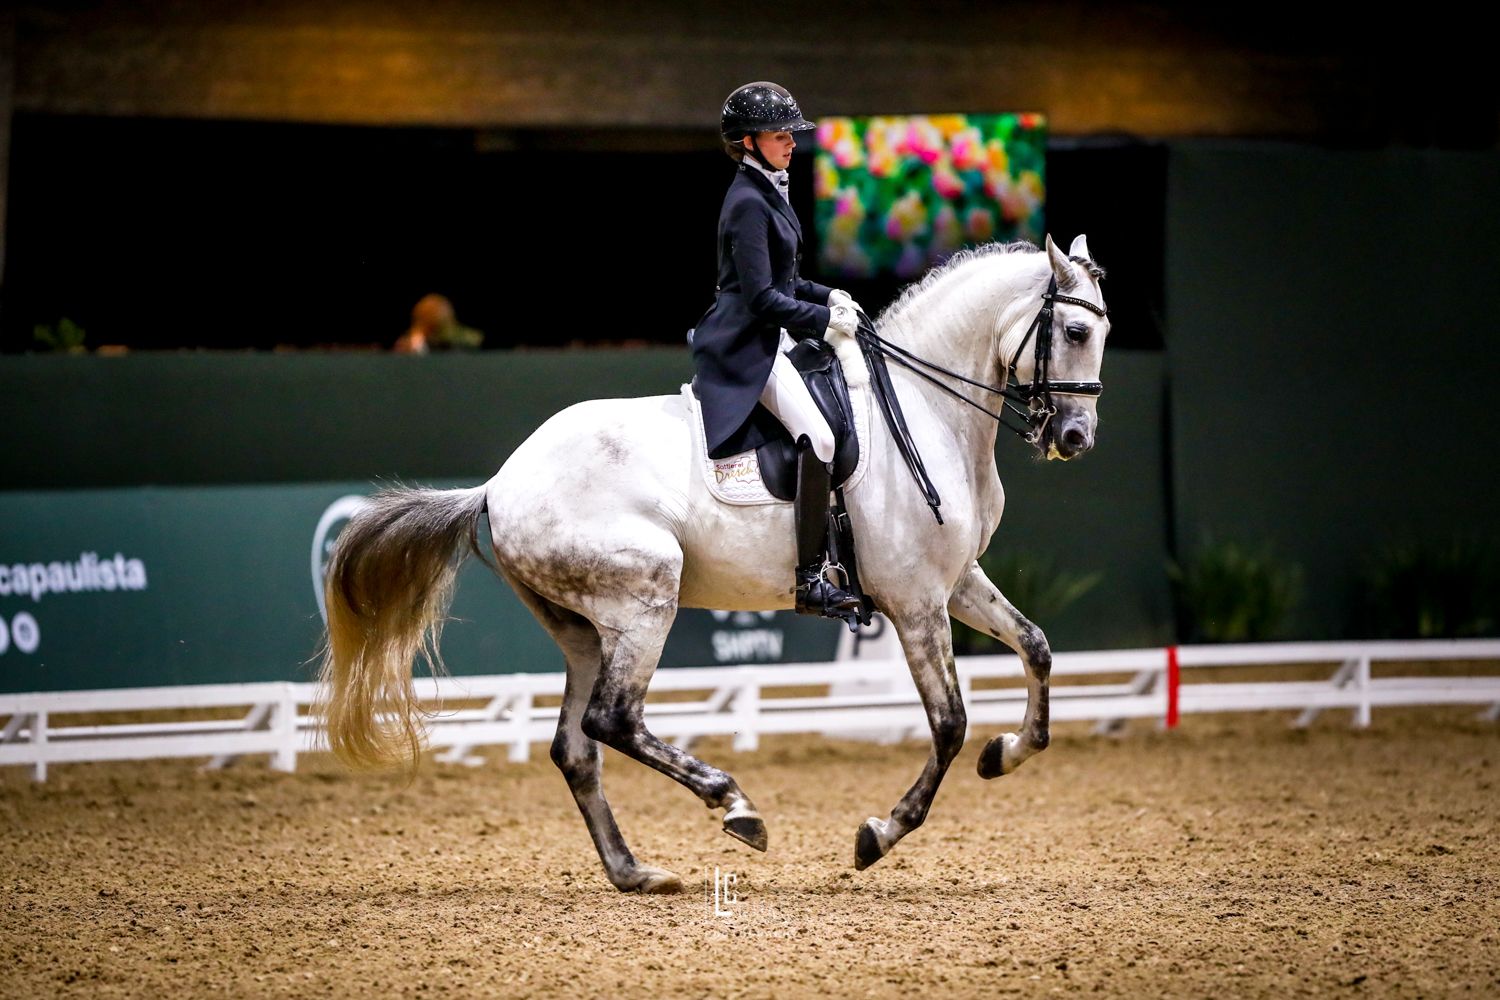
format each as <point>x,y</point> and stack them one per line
<point>759,292</point>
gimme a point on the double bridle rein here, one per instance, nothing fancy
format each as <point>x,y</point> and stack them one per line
<point>1036,398</point>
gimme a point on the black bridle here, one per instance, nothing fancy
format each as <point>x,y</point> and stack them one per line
<point>1035,397</point>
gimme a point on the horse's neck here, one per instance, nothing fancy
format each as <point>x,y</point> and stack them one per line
<point>970,322</point>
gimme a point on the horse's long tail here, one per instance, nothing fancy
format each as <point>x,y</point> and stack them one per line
<point>389,584</point>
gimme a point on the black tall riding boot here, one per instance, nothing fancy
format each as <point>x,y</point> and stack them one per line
<point>816,595</point>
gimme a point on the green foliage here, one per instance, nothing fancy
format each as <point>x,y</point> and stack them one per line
<point>65,338</point>
<point>1228,592</point>
<point>1037,588</point>
<point>1447,590</point>
<point>456,337</point>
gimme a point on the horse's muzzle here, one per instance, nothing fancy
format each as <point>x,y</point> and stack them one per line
<point>1069,434</point>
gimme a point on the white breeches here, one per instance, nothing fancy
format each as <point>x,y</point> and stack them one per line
<point>787,397</point>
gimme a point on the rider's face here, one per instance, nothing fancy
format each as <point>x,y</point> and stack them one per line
<point>776,147</point>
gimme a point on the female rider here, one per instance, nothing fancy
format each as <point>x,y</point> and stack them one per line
<point>736,346</point>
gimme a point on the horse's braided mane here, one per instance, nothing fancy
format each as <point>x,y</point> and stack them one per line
<point>962,257</point>
<point>1096,271</point>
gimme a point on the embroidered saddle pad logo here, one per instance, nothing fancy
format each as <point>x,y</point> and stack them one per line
<point>734,480</point>
<point>737,479</point>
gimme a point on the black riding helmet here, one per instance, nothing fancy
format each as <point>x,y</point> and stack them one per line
<point>760,107</point>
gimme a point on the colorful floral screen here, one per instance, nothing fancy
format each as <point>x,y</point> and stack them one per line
<point>896,194</point>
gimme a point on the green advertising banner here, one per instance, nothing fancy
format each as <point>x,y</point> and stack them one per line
<point>149,586</point>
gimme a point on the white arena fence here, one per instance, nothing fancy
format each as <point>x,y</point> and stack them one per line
<point>866,698</point>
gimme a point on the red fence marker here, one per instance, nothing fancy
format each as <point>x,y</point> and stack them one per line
<point>1173,677</point>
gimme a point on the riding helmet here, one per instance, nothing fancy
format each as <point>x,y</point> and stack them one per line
<point>761,107</point>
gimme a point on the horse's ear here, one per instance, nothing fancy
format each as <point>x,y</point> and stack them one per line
<point>1061,268</point>
<point>1080,248</point>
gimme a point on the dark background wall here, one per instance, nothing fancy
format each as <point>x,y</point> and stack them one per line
<point>1293,204</point>
<point>1150,69</point>
<point>170,233</point>
<point>298,172</point>
<point>1332,354</point>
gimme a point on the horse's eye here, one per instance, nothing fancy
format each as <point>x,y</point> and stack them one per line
<point>1077,333</point>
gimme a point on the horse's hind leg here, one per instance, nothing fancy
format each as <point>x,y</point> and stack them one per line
<point>979,604</point>
<point>579,758</point>
<point>927,642</point>
<point>615,717</point>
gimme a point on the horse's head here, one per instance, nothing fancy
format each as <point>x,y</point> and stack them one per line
<point>1061,374</point>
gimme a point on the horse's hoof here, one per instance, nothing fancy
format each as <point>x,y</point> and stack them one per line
<point>750,829</point>
<point>992,762</point>
<point>867,849</point>
<point>656,881</point>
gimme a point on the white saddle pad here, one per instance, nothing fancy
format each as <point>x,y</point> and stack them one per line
<point>737,479</point>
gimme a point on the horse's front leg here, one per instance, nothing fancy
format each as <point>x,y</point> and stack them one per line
<point>979,604</point>
<point>927,642</point>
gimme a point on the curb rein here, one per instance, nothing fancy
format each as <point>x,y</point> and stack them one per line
<point>1036,397</point>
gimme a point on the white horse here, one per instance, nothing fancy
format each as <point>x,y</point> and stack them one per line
<point>603,524</point>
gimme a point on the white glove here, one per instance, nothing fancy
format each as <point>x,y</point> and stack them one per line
<point>843,319</point>
<point>839,297</point>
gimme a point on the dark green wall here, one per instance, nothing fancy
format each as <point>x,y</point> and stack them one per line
<point>1104,512</point>
<point>202,418</point>
<point>229,420</point>
<point>220,588</point>
<point>1331,353</point>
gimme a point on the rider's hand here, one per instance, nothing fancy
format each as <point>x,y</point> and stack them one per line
<point>843,319</point>
<point>839,297</point>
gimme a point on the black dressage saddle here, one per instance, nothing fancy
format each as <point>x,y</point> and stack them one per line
<point>821,372</point>
<point>824,377</point>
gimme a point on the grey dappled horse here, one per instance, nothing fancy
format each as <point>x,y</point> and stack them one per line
<point>603,524</point>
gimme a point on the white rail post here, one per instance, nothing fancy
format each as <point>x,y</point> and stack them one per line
<point>39,744</point>
<point>284,725</point>
<point>1144,682</point>
<point>747,712</point>
<point>254,720</point>
<point>1362,684</point>
<point>715,704</point>
<point>13,727</point>
<point>459,753</point>
<point>520,719</point>
<point>1340,677</point>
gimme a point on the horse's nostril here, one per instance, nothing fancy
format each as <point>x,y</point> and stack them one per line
<point>1074,438</point>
